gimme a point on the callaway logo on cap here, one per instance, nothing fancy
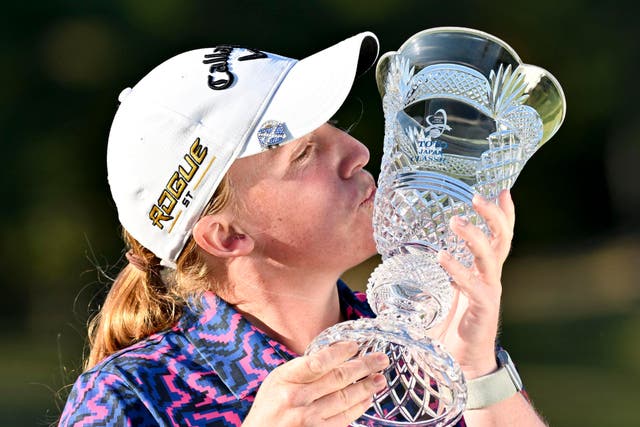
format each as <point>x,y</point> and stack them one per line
<point>177,132</point>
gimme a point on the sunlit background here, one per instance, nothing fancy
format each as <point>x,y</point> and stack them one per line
<point>571,316</point>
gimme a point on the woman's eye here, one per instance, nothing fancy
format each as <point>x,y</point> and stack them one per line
<point>304,154</point>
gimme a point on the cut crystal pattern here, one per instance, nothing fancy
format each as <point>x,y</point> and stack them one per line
<point>424,383</point>
<point>450,81</point>
<point>412,284</point>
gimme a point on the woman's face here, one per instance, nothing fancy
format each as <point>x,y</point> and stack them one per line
<point>308,203</point>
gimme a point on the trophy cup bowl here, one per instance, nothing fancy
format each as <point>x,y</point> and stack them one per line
<point>463,115</point>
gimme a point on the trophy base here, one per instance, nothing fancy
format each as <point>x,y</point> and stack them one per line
<point>425,386</point>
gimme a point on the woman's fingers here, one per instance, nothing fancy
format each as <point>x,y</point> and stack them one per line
<point>479,246</point>
<point>506,204</point>
<point>349,415</point>
<point>489,251</point>
<point>461,276</point>
<point>307,369</point>
<point>349,373</point>
<point>346,404</point>
<point>329,371</point>
<point>500,219</point>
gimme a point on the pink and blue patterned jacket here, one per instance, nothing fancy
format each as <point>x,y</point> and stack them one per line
<point>205,371</point>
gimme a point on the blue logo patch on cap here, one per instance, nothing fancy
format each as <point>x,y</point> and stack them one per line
<point>271,134</point>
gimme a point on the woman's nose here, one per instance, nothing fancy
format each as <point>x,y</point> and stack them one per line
<point>355,156</point>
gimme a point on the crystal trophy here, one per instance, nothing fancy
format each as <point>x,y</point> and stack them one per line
<point>463,115</point>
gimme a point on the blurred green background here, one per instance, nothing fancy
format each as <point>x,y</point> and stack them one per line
<point>571,287</point>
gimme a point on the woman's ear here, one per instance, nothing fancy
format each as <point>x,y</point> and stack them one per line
<point>217,236</point>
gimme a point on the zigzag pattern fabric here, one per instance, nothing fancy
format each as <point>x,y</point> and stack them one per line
<point>205,371</point>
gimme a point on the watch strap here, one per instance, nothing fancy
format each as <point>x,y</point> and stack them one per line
<point>489,389</point>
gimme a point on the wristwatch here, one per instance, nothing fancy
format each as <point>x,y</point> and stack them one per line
<point>495,387</point>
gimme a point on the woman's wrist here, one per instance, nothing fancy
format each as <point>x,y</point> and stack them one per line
<point>479,369</point>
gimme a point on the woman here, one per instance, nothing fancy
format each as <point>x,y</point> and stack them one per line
<point>241,208</point>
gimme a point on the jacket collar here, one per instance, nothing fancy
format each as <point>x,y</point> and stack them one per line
<point>241,354</point>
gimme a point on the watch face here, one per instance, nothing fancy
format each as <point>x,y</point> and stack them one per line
<point>505,360</point>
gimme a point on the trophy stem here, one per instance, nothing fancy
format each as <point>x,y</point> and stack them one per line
<point>411,287</point>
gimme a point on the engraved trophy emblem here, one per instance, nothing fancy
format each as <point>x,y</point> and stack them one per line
<point>463,115</point>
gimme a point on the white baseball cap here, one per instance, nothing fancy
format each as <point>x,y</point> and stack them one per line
<point>177,131</point>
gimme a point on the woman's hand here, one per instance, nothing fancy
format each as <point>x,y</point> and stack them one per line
<point>470,330</point>
<point>327,388</point>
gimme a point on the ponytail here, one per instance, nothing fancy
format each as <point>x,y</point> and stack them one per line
<point>138,304</point>
<point>141,301</point>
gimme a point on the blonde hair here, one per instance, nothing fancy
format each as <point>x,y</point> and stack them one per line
<point>140,302</point>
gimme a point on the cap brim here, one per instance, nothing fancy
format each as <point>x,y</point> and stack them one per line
<point>316,87</point>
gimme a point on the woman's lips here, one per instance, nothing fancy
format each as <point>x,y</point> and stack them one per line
<point>370,195</point>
